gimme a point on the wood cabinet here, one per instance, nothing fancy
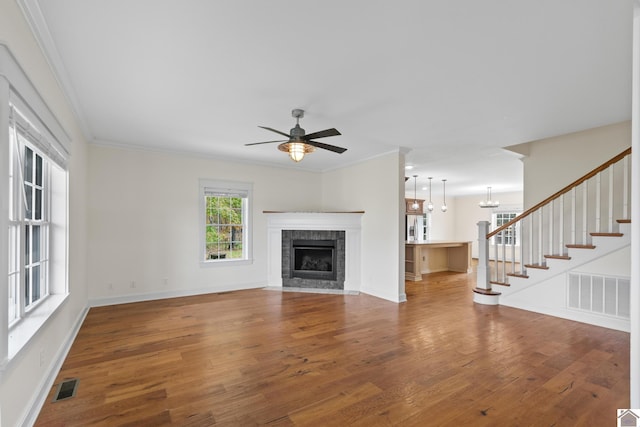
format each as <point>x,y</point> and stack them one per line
<point>409,206</point>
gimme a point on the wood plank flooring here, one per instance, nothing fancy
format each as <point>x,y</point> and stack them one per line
<point>263,357</point>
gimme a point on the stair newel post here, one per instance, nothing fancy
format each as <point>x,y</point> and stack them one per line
<point>484,272</point>
<point>540,233</point>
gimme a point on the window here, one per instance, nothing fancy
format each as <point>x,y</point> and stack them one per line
<point>224,211</point>
<point>34,150</point>
<point>30,185</point>
<point>510,236</point>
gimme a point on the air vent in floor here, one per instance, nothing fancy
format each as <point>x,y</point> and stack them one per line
<point>66,389</point>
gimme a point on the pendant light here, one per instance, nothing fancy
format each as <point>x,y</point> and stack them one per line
<point>444,196</point>
<point>489,203</point>
<point>415,204</point>
<point>430,204</point>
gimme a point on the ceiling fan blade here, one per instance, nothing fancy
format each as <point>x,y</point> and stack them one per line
<point>323,134</point>
<point>276,131</point>
<point>266,142</point>
<point>333,148</point>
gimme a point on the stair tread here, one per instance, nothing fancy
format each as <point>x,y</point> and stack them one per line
<point>524,276</point>
<point>565,257</point>
<point>542,267</point>
<point>485,291</point>
<point>623,221</point>
<point>580,246</point>
<point>493,282</point>
<point>607,234</point>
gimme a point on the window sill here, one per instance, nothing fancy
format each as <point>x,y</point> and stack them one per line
<point>225,262</point>
<point>21,333</point>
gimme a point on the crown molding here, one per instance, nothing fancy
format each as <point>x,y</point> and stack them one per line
<point>35,18</point>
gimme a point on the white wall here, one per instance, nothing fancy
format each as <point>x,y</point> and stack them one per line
<point>553,163</point>
<point>24,378</point>
<point>144,223</point>
<point>377,187</point>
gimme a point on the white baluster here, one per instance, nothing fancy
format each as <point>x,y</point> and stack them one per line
<point>610,219</point>
<point>598,202</point>
<point>551,227</point>
<point>561,225</point>
<point>540,257</point>
<point>504,256</point>
<point>585,225</point>
<point>573,216</point>
<point>625,188</point>
<point>531,223</point>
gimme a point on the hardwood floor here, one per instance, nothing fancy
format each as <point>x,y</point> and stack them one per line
<point>263,357</point>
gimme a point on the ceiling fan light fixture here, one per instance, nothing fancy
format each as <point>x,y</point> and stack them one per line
<point>296,149</point>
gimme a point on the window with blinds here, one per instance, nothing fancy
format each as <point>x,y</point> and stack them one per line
<point>225,221</point>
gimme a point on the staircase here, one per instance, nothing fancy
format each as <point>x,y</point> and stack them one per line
<point>538,260</point>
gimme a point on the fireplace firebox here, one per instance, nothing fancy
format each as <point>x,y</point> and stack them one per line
<point>314,259</point>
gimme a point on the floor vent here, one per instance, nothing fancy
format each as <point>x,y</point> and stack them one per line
<point>66,389</point>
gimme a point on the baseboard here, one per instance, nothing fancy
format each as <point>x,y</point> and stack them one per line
<point>126,299</point>
<point>48,380</point>
<point>397,298</point>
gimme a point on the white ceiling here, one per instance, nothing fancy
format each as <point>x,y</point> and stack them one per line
<point>451,80</point>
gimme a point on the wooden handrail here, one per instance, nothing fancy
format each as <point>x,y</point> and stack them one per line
<point>566,189</point>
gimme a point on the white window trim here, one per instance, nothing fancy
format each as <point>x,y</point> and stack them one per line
<point>16,88</point>
<point>224,186</point>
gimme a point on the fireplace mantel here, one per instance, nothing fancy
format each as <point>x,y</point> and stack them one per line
<point>349,222</point>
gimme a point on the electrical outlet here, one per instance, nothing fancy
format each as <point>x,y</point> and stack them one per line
<point>133,284</point>
<point>110,286</point>
<point>165,282</point>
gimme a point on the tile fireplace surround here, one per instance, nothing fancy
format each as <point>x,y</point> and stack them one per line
<point>349,222</point>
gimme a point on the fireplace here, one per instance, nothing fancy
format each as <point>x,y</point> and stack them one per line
<point>313,259</point>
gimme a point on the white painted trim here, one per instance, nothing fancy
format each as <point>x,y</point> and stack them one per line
<point>125,299</point>
<point>22,86</point>
<point>634,374</point>
<point>48,380</point>
<point>350,223</point>
<point>486,299</point>
<point>34,17</point>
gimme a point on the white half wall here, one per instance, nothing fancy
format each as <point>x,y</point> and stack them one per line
<point>377,187</point>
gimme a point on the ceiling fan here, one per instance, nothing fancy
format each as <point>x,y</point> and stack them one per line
<point>300,144</point>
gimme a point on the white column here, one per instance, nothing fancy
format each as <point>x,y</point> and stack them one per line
<point>483,281</point>
<point>635,214</point>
